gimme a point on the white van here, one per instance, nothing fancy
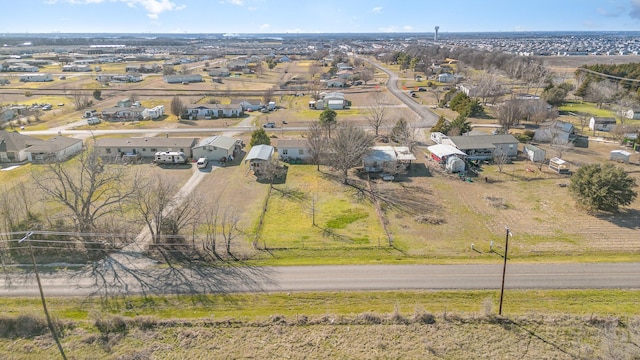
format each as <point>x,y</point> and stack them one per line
<point>202,163</point>
<point>93,121</point>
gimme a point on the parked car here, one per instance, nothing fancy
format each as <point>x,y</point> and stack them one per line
<point>422,89</point>
<point>93,121</point>
<point>269,125</point>
<point>47,107</point>
<point>202,163</point>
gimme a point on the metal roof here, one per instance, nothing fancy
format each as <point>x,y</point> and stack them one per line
<point>260,152</point>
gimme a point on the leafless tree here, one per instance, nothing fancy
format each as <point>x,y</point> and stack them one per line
<point>436,91</point>
<point>559,143</point>
<point>509,113</point>
<point>601,91</point>
<point>376,111</point>
<point>267,96</point>
<point>16,208</point>
<point>404,134</point>
<point>80,99</point>
<point>500,158</point>
<point>229,228</point>
<point>134,97</point>
<point>161,207</point>
<point>367,74</point>
<point>394,167</point>
<point>168,70</point>
<point>315,88</point>
<point>177,107</point>
<point>489,86</point>
<point>271,171</point>
<point>348,148</point>
<point>259,69</point>
<point>86,187</point>
<point>210,222</point>
<point>184,70</point>
<point>318,144</point>
<point>620,130</point>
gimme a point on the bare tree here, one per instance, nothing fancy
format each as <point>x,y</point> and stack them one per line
<point>86,187</point>
<point>168,70</point>
<point>500,158</point>
<point>177,107</point>
<point>80,99</point>
<point>601,91</point>
<point>436,91</point>
<point>376,111</point>
<point>184,70</point>
<point>229,228</point>
<point>317,144</point>
<point>268,94</point>
<point>509,113</point>
<point>489,86</point>
<point>367,74</point>
<point>210,222</point>
<point>348,148</point>
<point>315,88</point>
<point>560,142</point>
<point>271,171</point>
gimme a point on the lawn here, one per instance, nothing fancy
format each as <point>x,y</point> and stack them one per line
<point>584,107</point>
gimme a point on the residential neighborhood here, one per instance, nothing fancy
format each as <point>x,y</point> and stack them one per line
<point>293,174</point>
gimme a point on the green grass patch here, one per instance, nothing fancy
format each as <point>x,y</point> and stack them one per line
<point>585,108</point>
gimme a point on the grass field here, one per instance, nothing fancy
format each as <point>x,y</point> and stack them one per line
<point>452,325</point>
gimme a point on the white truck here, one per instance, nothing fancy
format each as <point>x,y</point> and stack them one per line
<point>170,157</point>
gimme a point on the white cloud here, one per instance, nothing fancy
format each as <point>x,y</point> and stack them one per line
<point>407,28</point>
<point>265,27</point>
<point>153,7</point>
<point>237,2</point>
<point>377,10</point>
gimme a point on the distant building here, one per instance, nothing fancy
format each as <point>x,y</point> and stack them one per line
<point>36,77</point>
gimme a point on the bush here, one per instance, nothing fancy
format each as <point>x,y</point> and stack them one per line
<point>23,326</point>
<point>28,93</point>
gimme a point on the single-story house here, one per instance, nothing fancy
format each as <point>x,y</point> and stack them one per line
<point>332,100</point>
<point>57,148</point>
<point>36,77</point>
<point>145,69</point>
<point>445,78</point>
<point>77,68</point>
<point>215,148</point>
<point>556,132</point>
<point>212,111</point>
<point>336,83</point>
<point>258,156</point>
<point>602,123</point>
<point>20,67</point>
<point>122,114</point>
<point>116,148</point>
<point>219,72</point>
<point>252,105</point>
<point>14,146</point>
<point>293,150</point>
<point>177,79</point>
<point>381,157</point>
<point>483,147</point>
<point>132,77</point>
<point>153,113</point>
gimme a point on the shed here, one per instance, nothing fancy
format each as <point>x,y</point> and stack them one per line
<point>602,123</point>
<point>534,153</point>
<point>258,156</point>
<point>620,156</point>
<point>558,165</point>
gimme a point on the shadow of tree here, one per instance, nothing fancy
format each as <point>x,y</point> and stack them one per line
<point>626,218</point>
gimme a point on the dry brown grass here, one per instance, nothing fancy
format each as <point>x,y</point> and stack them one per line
<point>364,336</point>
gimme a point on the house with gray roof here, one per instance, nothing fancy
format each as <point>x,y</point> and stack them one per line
<point>57,148</point>
<point>145,147</point>
<point>13,146</point>
<point>483,147</point>
<point>293,150</point>
<point>216,148</point>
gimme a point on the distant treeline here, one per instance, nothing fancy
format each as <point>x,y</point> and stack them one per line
<point>616,72</point>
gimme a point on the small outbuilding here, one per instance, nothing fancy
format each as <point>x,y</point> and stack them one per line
<point>558,165</point>
<point>620,156</point>
<point>534,153</point>
<point>258,156</point>
<point>455,164</point>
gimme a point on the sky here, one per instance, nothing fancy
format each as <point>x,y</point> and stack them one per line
<point>316,16</point>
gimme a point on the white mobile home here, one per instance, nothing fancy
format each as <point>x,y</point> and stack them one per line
<point>153,113</point>
<point>36,77</point>
<point>620,156</point>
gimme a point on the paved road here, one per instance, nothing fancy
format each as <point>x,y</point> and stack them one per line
<point>117,278</point>
<point>427,117</point>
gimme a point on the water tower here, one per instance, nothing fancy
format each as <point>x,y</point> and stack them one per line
<point>435,36</point>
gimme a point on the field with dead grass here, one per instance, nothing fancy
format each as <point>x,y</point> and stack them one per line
<point>425,325</point>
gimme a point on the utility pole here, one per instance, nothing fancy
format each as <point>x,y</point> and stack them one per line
<point>504,266</point>
<point>54,333</point>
